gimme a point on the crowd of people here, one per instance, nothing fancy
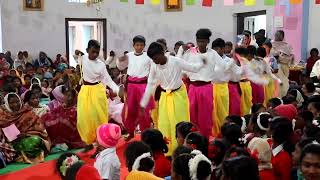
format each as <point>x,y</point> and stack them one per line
<point>218,111</point>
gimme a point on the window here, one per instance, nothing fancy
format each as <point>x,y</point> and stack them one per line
<point>77,1</point>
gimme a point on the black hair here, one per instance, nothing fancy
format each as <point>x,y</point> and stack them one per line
<point>218,43</point>
<point>268,43</point>
<point>316,105</point>
<point>217,156</point>
<point>203,34</point>
<point>181,167</point>
<point>312,131</point>
<point>199,141</point>
<point>10,96</point>
<point>288,99</point>
<point>247,117</point>
<point>36,86</point>
<point>162,41</point>
<point>146,165</point>
<point>281,32</point>
<point>179,43</point>
<point>18,79</point>
<point>274,102</point>
<point>134,150</point>
<point>281,129</point>
<point>62,158</point>
<point>234,119</point>
<point>140,39</point>
<point>236,151</point>
<point>241,51</point>
<point>184,128</point>
<point>229,43</point>
<point>29,65</point>
<point>181,150</point>
<point>239,168</point>
<point>247,35</point>
<point>93,44</point>
<point>310,87</point>
<point>255,107</point>
<point>264,121</point>
<point>126,52</point>
<point>314,50</point>
<point>304,142</point>
<point>20,53</point>
<point>154,49</point>
<point>231,133</point>
<point>27,96</point>
<point>247,32</point>
<point>154,139</point>
<point>307,116</point>
<point>310,149</point>
<point>252,51</point>
<point>72,171</point>
<point>261,52</point>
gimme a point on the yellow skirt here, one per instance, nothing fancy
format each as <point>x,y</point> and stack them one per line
<point>221,105</point>
<point>92,111</point>
<point>269,91</point>
<point>246,98</point>
<point>173,108</point>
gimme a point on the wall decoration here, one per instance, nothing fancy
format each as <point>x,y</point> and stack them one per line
<point>33,5</point>
<point>173,5</point>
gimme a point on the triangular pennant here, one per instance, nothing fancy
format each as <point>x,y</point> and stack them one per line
<point>124,1</point>
<point>190,2</point>
<point>207,3</point>
<point>269,2</point>
<point>173,3</point>
<point>250,2</point>
<point>228,2</point>
<point>155,2</point>
<point>139,1</point>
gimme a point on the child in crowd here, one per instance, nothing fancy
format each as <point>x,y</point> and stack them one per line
<point>273,102</point>
<point>310,162</point>
<point>194,166</point>
<point>155,140</point>
<point>173,103</point>
<point>216,153</point>
<point>139,161</point>
<point>241,122</point>
<point>138,71</point>
<point>33,100</point>
<point>259,124</point>
<point>314,107</point>
<point>107,162</point>
<point>228,49</point>
<point>182,130</point>
<point>281,131</point>
<point>314,57</point>
<point>261,150</point>
<point>231,134</point>
<point>197,142</point>
<point>258,108</point>
<point>27,81</point>
<point>46,89</point>
<point>18,86</point>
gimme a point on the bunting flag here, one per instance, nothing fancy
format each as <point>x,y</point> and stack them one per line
<point>287,4</point>
<point>269,2</point>
<point>295,1</point>
<point>154,2</point>
<point>249,2</point>
<point>207,3</point>
<point>317,1</point>
<point>124,1</point>
<point>190,2</point>
<point>173,2</point>
<point>139,1</point>
<point>228,2</point>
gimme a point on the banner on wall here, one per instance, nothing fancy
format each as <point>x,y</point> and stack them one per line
<point>139,1</point>
<point>295,1</point>
<point>155,2</point>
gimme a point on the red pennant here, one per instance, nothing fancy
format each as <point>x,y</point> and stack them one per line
<point>139,1</point>
<point>207,3</point>
<point>317,1</point>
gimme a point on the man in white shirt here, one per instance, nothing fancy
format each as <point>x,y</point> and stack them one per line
<point>92,100</point>
<point>138,71</point>
<point>173,104</point>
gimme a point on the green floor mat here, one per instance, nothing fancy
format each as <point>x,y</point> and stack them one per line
<point>12,167</point>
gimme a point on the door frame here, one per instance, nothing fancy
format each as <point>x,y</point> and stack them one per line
<point>241,16</point>
<point>104,24</point>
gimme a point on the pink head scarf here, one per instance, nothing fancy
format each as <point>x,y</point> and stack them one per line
<point>108,135</point>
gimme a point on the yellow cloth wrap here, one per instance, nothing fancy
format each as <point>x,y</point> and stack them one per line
<point>221,106</point>
<point>269,91</point>
<point>173,108</point>
<point>246,98</point>
<point>155,115</point>
<point>92,111</point>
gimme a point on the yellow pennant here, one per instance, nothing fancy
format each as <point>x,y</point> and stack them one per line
<point>155,2</point>
<point>250,2</point>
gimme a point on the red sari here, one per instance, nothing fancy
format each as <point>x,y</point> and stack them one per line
<point>61,125</point>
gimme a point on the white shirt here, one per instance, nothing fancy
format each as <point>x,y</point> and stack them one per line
<point>211,71</point>
<point>277,150</point>
<point>316,69</point>
<point>111,61</point>
<point>108,164</point>
<point>96,71</point>
<point>233,73</point>
<point>168,76</point>
<point>138,66</point>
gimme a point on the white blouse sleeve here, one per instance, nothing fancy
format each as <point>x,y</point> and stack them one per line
<point>185,66</point>
<point>151,85</point>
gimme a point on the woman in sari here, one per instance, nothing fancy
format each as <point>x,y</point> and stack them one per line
<point>33,100</point>
<point>61,122</point>
<point>57,97</point>
<point>23,137</point>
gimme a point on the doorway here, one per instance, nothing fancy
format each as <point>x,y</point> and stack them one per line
<point>252,21</point>
<point>78,33</point>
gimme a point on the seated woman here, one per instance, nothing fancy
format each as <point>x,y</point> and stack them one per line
<point>57,97</point>
<point>64,117</point>
<point>23,137</point>
<point>31,99</point>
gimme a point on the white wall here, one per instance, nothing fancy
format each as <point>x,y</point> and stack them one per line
<point>314,26</point>
<point>45,31</point>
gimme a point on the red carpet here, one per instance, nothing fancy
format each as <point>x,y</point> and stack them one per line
<point>47,170</point>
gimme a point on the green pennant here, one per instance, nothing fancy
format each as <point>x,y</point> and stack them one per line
<point>124,1</point>
<point>269,2</point>
<point>190,2</point>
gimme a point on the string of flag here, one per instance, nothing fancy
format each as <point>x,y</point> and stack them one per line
<point>209,3</point>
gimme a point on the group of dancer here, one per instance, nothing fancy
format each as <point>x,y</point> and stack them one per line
<point>201,84</point>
